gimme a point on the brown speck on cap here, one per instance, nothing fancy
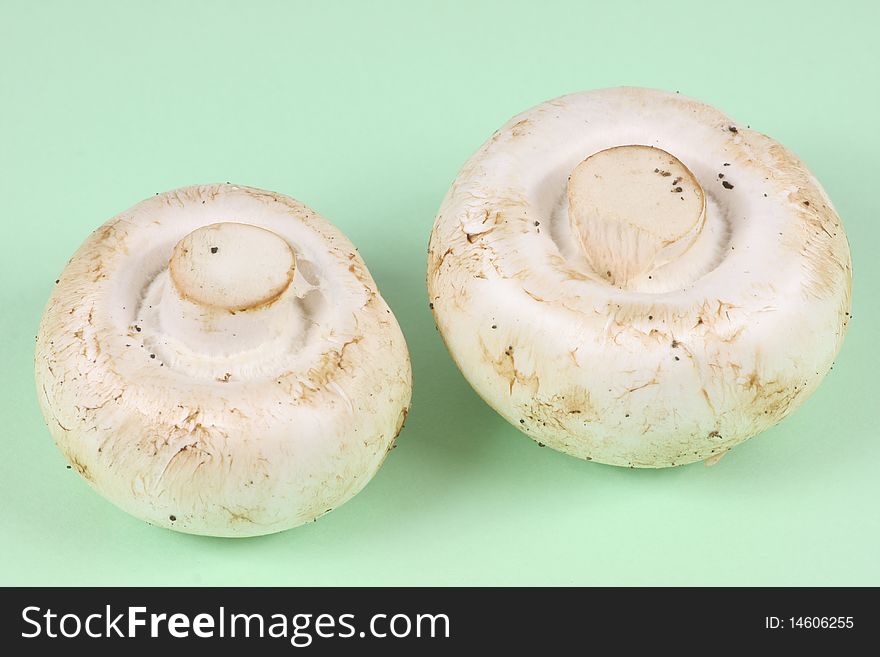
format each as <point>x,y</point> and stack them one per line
<point>732,129</point>
<point>727,185</point>
<point>214,249</point>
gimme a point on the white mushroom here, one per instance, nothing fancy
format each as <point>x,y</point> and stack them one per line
<point>629,276</point>
<point>217,360</point>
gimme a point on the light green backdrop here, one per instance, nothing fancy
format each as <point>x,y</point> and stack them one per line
<point>365,111</point>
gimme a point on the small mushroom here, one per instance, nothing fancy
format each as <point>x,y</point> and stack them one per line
<point>217,360</point>
<point>688,288</point>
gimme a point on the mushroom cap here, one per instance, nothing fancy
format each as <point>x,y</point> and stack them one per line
<point>653,360</point>
<point>256,386</point>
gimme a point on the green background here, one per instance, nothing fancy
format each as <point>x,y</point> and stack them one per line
<point>365,111</point>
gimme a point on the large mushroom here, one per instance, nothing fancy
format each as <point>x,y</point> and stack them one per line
<point>217,360</point>
<point>631,277</point>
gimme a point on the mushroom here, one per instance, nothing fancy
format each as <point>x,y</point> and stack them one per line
<point>217,360</point>
<point>630,277</point>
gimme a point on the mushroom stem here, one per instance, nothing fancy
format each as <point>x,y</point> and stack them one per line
<point>634,209</point>
<point>226,280</point>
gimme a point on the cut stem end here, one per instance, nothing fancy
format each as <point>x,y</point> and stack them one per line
<point>634,209</point>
